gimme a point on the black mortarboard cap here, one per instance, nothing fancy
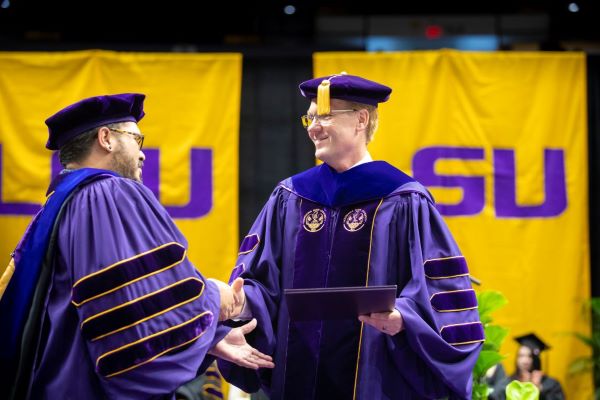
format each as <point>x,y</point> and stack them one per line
<point>532,341</point>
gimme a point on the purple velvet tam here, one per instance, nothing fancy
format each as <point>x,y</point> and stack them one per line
<point>91,113</point>
<point>349,87</point>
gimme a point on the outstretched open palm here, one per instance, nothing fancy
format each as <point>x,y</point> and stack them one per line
<point>236,349</point>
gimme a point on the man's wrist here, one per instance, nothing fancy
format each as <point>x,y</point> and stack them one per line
<point>245,314</point>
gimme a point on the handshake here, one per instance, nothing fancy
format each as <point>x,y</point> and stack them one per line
<point>233,298</point>
<point>234,347</point>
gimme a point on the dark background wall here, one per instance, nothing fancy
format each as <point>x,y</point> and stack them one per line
<point>273,143</point>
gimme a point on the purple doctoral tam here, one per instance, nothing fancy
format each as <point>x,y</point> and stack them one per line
<point>348,87</point>
<point>91,113</point>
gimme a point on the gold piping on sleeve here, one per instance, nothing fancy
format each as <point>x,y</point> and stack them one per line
<point>445,277</point>
<point>452,291</point>
<point>241,265</point>
<point>470,342</point>
<point>148,317</point>
<point>129,282</point>
<point>149,337</point>
<point>8,273</point>
<point>362,324</point>
<point>442,258</point>
<point>461,324</point>
<point>252,249</point>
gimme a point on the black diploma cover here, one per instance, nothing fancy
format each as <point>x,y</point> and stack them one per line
<point>338,302</point>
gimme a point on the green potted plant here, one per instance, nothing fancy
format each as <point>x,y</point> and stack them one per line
<point>488,302</point>
<point>591,363</point>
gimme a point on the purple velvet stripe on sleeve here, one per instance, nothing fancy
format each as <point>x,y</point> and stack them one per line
<point>446,268</point>
<point>249,244</point>
<point>214,392</point>
<point>126,272</point>
<point>145,350</point>
<point>142,309</point>
<point>470,332</point>
<point>215,374</point>
<point>457,300</point>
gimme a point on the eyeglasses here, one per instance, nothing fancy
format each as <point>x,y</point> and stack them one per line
<point>139,138</point>
<point>324,120</point>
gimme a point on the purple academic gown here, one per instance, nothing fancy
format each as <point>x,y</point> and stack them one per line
<point>370,225</point>
<point>127,315</point>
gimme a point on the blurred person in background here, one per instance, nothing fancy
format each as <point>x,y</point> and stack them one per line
<point>529,369</point>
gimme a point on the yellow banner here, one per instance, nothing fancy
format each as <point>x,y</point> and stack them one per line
<point>191,127</point>
<point>501,141</point>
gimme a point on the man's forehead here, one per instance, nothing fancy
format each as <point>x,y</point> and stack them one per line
<point>336,104</point>
<point>130,126</point>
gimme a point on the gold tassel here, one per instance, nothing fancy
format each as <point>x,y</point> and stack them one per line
<point>323,107</point>
<point>8,273</point>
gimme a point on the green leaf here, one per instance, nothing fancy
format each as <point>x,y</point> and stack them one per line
<point>486,360</point>
<point>480,391</point>
<point>488,302</point>
<point>494,336</point>
<point>522,391</point>
<point>485,319</point>
<point>581,365</point>
<point>595,305</point>
<point>585,339</point>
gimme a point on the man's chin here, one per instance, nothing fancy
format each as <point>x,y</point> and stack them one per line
<point>133,176</point>
<point>321,155</point>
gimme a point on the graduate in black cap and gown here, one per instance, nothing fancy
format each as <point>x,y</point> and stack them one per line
<point>529,369</point>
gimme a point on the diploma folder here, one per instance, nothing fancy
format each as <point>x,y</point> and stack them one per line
<point>338,302</point>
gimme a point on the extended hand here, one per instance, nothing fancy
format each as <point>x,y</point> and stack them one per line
<point>234,348</point>
<point>389,322</point>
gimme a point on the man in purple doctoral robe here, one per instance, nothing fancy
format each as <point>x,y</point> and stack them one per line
<point>103,301</point>
<point>356,222</point>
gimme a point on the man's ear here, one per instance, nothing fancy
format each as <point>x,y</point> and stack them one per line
<point>363,119</point>
<point>105,138</point>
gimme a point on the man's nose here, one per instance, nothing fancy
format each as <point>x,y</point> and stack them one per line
<point>313,130</point>
<point>142,156</point>
<point>315,126</point>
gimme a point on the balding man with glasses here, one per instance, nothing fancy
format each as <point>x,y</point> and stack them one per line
<point>353,222</point>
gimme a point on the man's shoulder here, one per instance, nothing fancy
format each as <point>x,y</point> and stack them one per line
<point>114,186</point>
<point>409,189</point>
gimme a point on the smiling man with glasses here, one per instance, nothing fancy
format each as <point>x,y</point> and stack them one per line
<point>352,221</point>
<point>100,300</point>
